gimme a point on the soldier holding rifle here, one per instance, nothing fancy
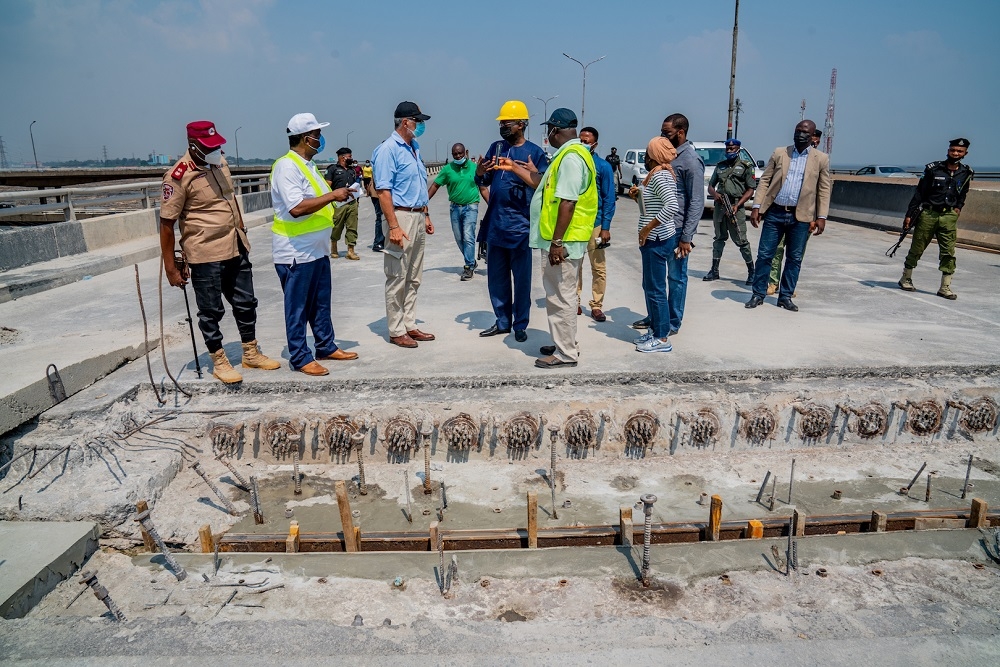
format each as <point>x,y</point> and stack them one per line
<point>731,185</point>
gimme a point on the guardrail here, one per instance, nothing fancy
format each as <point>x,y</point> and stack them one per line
<point>980,175</point>
<point>70,200</point>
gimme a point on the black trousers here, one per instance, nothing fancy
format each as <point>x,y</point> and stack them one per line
<point>232,279</point>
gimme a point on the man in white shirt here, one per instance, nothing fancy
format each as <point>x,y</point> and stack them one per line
<point>300,245</point>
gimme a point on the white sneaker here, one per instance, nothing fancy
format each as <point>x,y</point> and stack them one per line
<point>654,345</point>
<point>643,338</point>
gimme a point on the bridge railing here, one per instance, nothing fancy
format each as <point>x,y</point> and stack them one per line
<point>78,199</point>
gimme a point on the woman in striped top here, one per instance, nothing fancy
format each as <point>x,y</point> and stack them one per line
<point>656,227</point>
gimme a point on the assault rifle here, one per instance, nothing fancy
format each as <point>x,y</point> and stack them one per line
<point>911,214</point>
<point>728,204</point>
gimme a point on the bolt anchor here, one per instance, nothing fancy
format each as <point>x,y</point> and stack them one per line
<point>647,535</point>
<point>101,593</point>
<point>144,519</point>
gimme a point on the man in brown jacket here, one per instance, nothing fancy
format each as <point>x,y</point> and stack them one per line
<point>794,197</point>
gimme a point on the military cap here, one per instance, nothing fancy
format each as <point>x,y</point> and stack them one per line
<point>733,142</point>
<point>961,142</point>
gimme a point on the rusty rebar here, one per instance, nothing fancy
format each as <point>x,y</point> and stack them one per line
<point>101,593</point>
<point>647,535</point>
<point>774,491</point>
<point>968,472</point>
<point>553,436</point>
<point>440,548</point>
<point>295,470</point>
<point>196,466</point>
<point>915,477</point>
<point>240,480</point>
<point>426,429</point>
<point>258,516</point>
<point>760,494</point>
<point>357,441</point>
<point>144,519</point>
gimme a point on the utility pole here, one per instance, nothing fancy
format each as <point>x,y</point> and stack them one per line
<point>33,143</point>
<point>105,152</point>
<point>732,74</point>
<point>830,106</point>
<point>802,110</point>
<point>236,138</point>
<point>348,144</point>
<point>583,100</point>
<point>3,155</point>
<point>738,109</point>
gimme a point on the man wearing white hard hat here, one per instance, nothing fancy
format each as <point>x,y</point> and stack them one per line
<point>300,245</point>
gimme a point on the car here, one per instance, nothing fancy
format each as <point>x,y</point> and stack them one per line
<point>712,153</point>
<point>884,171</point>
<point>633,168</point>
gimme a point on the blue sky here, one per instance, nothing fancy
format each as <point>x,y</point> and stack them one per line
<point>130,74</point>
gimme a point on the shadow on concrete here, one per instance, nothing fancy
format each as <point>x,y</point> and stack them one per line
<point>628,552</point>
<point>477,320</point>
<point>536,338</point>
<point>891,284</point>
<point>380,328</point>
<point>457,270</point>
<point>731,295</point>
<point>618,326</point>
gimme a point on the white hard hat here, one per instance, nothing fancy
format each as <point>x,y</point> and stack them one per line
<point>301,123</point>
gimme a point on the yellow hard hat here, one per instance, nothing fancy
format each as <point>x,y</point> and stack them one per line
<point>513,110</point>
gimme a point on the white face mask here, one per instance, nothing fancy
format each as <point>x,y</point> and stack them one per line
<point>214,158</point>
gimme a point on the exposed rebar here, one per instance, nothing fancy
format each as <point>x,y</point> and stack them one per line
<point>968,472</point>
<point>258,516</point>
<point>357,441</point>
<point>789,551</point>
<point>553,436</point>
<point>647,535</point>
<point>927,494</point>
<point>915,477</point>
<point>146,522</point>
<point>240,480</point>
<point>774,491</point>
<point>101,593</point>
<point>763,486</point>
<point>426,429</point>
<point>297,478</point>
<point>196,466</point>
<point>406,490</point>
<point>791,482</point>
<point>440,548</point>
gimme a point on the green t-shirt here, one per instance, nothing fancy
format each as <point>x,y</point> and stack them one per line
<point>460,181</point>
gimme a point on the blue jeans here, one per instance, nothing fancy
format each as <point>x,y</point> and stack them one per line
<point>655,261</point>
<point>778,223</point>
<point>677,282</point>
<point>307,290</point>
<point>511,305</point>
<point>463,226</point>
<point>379,234</point>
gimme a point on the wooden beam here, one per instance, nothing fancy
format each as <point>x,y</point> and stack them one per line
<point>206,539</point>
<point>532,520</point>
<point>292,541</point>
<point>625,526</point>
<point>977,517</point>
<point>714,519</point>
<point>433,531</point>
<point>755,529</point>
<point>878,522</point>
<point>140,507</point>
<point>799,521</point>
<point>346,521</point>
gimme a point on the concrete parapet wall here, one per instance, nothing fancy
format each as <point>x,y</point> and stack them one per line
<point>882,204</point>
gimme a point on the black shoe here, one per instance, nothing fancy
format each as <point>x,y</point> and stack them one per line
<point>788,305</point>
<point>520,335</point>
<point>493,331</point>
<point>754,301</point>
<point>467,273</point>
<point>750,273</point>
<point>713,273</point>
<point>377,248</point>
<point>547,350</point>
<point>642,324</point>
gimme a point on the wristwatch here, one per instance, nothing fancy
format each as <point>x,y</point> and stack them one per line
<point>557,243</point>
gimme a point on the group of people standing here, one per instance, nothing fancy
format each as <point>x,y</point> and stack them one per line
<point>559,206</point>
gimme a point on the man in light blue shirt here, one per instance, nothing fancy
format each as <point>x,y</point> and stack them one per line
<point>401,182</point>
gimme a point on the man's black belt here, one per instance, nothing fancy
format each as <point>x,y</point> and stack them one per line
<point>941,209</point>
<point>411,209</point>
<point>786,209</point>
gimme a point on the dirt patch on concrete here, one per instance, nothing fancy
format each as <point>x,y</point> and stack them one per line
<point>664,594</point>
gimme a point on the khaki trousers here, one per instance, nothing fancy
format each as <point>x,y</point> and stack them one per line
<point>559,282</point>
<point>403,270</point>
<point>598,270</point>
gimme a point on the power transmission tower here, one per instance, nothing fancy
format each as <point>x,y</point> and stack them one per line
<point>3,154</point>
<point>828,125</point>
<point>105,154</point>
<point>732,73</point>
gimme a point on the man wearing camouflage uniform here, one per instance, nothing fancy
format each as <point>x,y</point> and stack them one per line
<point>732,182</point>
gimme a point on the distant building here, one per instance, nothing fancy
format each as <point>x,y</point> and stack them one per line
<point>157,159</point>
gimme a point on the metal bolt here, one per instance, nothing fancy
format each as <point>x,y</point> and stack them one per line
<point>763,486</point>
<point>927,495</point>
<point>774,485</point>
<point>101,593</point>
<point>554,436</point>
<point>258,516</point>
<point>297,478</point>
<point>146,522</point>
<point>647,534</point>
<point>440,548</point>
<point>236,474</point>
<point>196,466</point>
<point>357,441</point>
<point>791,482</point>
<point>968,471</point>
<point>406,490</point>
<point>426,429</point>
<point>836,494</point>
<point>914,480</point>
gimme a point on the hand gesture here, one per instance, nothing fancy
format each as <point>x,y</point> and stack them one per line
<point>755,217</point>
<point>341,194</point>
<point>396,235</point>
<point>484,166</point>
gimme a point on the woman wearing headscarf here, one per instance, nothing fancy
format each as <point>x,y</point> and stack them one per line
<point>656,226</point>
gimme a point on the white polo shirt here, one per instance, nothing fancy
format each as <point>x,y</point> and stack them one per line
<point>289,187</point>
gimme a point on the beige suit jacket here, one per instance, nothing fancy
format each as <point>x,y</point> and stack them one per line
<point>814,197</point>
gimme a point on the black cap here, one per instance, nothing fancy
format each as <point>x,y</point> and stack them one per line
<point>961,141</point>
<point>410,110</point>
<point>561,118</point>
<point>344,151</point>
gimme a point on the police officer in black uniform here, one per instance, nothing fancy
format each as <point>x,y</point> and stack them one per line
<point>615,161</point>
<point>936,206</point>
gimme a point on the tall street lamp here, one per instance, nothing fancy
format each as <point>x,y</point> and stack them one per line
<point>236,137</point>
<point>348,144</point>
<point>436,149</point>
<point>583,101</point>
<point>545,105</point>
<point>33,143</point>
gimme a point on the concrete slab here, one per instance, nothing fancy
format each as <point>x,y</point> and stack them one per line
<point>35,556</point>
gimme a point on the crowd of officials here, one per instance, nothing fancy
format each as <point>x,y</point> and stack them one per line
<point>558,207</point>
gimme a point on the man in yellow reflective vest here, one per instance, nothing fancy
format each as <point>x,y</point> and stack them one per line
<point>563,210</point>
<point>300,245</point>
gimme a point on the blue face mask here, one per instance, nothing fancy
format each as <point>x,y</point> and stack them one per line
<point>322,144</point>
<point>459,162</point>
<point>419,129</point>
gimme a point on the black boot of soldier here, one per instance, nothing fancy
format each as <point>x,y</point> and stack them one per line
<point>749,273</point>
<point>714,273</point>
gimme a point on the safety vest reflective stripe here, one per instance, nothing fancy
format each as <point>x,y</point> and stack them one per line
<point>581,226</point>
<point>321,219</point>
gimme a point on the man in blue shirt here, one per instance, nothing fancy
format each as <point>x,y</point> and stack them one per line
<point>508,214</point>
<point>602,228</point>
<point>401,182</point>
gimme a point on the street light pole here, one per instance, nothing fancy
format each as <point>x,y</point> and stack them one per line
<point>738,109</point>
<point>545,105</point>
<point>33,144</point>
<point>236,137</point>
<point>732,73</point>
<point>348,144</point>
<point>583,101</point>
<point>436,149</point>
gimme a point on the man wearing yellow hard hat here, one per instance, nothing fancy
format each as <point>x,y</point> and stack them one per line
<point>507,221</point>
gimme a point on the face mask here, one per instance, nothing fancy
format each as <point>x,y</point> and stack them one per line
<point>802,139</point>
<point>419,129</point>
<point>590,147</point>
<point>459,162</point>
<point>214,158</point>
<point>506,132</point>
<point>953,160</point>
<point>732,156</point>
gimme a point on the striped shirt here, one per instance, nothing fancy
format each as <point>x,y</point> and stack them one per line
<point>789,193</point>
<point>659,198</point>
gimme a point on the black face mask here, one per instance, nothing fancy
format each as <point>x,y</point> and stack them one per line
<point>507,132</point>
<point>802,139</point>
<point>953,160</point>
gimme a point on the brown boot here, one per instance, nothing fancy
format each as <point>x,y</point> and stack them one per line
<point>254,358</point>
<point>334,251</point>
<point>772,289</point>
<point>351,254</point>
<point>222,369</point>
